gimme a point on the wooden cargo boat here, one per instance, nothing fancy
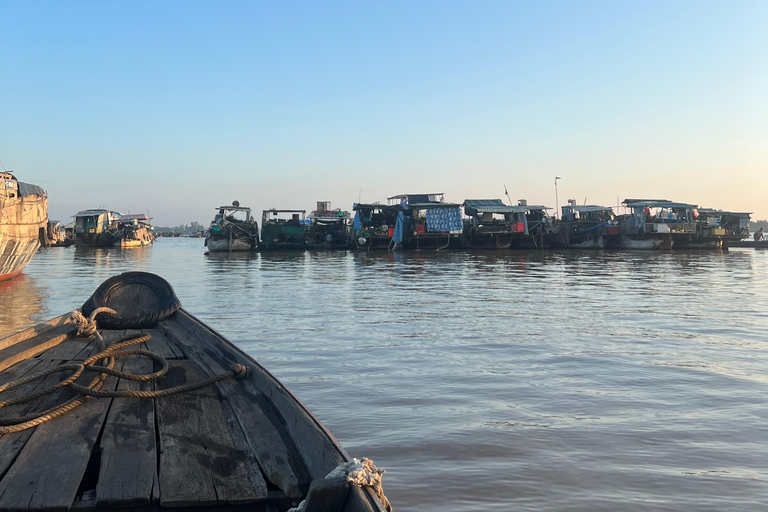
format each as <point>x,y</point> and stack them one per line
<point>283,230</point>
<point>135,230</point>
<point>243,442</point>
<point>23,224</point>
<point>233,229</point>
<point>720,228</point>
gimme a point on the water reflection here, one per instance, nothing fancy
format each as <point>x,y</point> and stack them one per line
<point>21,299</point>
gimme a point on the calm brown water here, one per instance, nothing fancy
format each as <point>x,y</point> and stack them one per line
<point>491,381</point>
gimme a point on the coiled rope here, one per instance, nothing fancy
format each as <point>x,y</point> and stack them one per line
<point>87,326</point>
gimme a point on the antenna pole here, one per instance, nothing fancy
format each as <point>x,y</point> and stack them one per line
<point>557,199</point>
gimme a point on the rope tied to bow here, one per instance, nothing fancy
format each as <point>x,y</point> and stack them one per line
<point>93,388</point>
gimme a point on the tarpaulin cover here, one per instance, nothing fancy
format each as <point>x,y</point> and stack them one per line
<point>27,189</point>
<point>357,225</point>
<point>444,219</point>
<point>397,236</point>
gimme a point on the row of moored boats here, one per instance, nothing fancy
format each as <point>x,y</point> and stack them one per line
<point>428,222</point>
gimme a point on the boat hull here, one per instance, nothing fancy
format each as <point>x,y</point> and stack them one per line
<point>104,239</point>
<point>229,245</point>
<point>23,222</point>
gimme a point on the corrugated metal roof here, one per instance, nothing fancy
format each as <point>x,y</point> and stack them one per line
<point>656,203</point>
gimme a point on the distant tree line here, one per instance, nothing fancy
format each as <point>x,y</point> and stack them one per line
<point>192,228</point>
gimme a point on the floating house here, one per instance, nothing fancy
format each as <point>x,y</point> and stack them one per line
<point>282,229</point>
<point>233,229</point>
<point>328,229</point>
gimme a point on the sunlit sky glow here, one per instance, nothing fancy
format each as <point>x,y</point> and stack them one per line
<point>177,107</point>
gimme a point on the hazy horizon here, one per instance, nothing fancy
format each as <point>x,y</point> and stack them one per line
<point>178,107</point>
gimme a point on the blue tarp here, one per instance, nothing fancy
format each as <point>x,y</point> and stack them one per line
<point>357,225</point>
<point>397,236</point>
<point>444,219</point>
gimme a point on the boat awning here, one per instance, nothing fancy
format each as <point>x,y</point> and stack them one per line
<point>89,213</point>
<point>656,203</point>
<point>432,206</point>
<point>132,216</point>
<point>475,206</point>
<point>591,208</point>
<point>710,212</point>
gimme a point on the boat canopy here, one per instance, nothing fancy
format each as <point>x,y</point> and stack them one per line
<point>374,206</point>
<point>474,206</point>
<point>711,212</point>
<point>588,208</point>
<point>657,203</point>
<point>92,212</point>
<point>234,208</point>
<point>132,216</point>
<point>409,199</point>
<point>432,206</point>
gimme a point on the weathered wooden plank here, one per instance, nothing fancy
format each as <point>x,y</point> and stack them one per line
<point>48,471</point>
<point>33,331</point>
<point>128,469</point>
<point>327,495</point>
<point>67,350</point>
<point>199,462</point>
<point>263,426</point>
<point>33,346</point>
<point>160,345</point>
<point>11,444</point>
<point>318,448</point>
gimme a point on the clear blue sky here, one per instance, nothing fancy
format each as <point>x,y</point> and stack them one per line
<point>177,107</point>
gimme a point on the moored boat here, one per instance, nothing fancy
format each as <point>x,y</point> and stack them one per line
<point>209,428</point>
<point>374,226</point>
<point>428,223</point>
<point>283,230</point>
<point>328,229</point>
<point>135,230</point>
<point>23,224</point>
<point>491,224</point>
<point>233,229</point>
<point>587,227</point>
<point>657,224</point>
<point>97,228</point>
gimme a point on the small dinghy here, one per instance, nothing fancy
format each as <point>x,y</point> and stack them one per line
<point>133,402</point>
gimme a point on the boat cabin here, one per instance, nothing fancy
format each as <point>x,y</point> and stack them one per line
<point>135,230</point>
<point>283,229</point>
<point>662,216</point>
<point>233,229</point>
<point>94,221</point>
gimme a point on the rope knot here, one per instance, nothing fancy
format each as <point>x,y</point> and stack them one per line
<point>239,371</point>
<point>87,326</point>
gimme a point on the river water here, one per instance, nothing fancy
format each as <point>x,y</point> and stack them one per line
<point>491,381</point>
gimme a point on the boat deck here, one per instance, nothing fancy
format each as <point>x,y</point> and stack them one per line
<point>229,444</point>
